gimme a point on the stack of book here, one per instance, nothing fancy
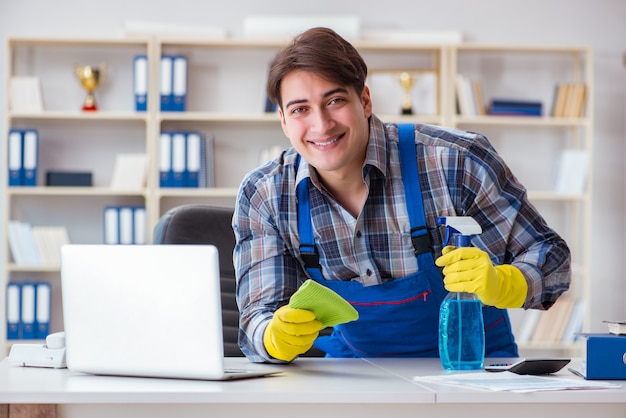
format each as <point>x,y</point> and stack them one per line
<point>124,225</point>
<point>23,157</point>
<point>36,245</point>
<point>559,324</point>
<point>569,100</point>
<point>512,107</point>
<point>616,327</point>
<point>172,83</point>
<point>28,310</point>
<point>469,97</point>
<point>186,160</point>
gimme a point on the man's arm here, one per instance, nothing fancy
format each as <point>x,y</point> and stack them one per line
<point>514,234</point>
<point>267,274</point>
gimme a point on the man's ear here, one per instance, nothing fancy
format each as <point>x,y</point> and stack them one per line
<point>366,100</point>
<point>283,125</point>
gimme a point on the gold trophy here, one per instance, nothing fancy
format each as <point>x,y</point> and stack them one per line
<point>90,78</point>
<point>407,81</point>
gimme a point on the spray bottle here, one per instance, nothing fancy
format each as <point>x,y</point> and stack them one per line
<point>461,326</point>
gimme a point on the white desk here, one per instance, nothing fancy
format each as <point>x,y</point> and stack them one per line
<point>311,387</point>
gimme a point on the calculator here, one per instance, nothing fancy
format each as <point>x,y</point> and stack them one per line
<point>530,366</point>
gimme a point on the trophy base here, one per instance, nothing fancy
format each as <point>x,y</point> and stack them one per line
<point>89,105</point>
<point>406,111</point>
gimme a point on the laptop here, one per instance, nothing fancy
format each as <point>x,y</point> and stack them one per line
<point>145,310</point>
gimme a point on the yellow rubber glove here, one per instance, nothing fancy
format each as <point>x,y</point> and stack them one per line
<point>290,332</point>
<point>469,269</point>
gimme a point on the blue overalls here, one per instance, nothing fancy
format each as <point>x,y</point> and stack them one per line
<point>400,317</point>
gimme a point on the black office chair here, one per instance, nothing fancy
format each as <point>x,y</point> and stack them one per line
<point>204,224</point>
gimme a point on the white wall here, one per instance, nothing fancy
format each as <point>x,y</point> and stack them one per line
<point>600,24</point>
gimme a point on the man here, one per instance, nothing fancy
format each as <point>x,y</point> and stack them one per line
<point>335,208</point>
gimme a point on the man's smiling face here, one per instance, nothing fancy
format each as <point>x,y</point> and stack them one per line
<point>326,123</point>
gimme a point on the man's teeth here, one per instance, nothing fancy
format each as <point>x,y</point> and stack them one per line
<point>327,142</point>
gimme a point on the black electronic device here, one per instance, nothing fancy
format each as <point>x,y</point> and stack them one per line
<point>530,366</point>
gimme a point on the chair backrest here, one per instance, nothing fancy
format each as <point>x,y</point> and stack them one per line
<point>203,224</point>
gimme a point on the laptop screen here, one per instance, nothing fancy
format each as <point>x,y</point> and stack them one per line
<point>143,310</point>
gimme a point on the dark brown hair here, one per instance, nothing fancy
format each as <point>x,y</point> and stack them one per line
<point>323,52</point>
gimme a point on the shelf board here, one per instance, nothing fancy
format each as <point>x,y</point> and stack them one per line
<point>69,115</point>
<point>525,49</point>
<point>71,191</point>
<point>218,117</point>
<point>198,192</point>
<point>33,269</point>
<point>80,42</point>
<point>549,345</point>
<point>397,118</point>
<point>279,42</point>
<point>554,196</point>
<point>521,121</point>
<point>244,43</point>
<point>229,43</point>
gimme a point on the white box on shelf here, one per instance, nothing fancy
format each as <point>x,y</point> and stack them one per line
<point>25,94</point>
<point>572,172</point>
<point>288,26</point>
<point>129,172</point>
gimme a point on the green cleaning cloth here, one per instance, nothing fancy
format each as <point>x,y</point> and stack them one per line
<point>329,308</point>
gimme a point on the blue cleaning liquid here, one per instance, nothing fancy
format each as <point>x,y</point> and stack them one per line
<point>461,332</point>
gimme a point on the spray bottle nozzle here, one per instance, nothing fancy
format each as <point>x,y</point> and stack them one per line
<point>461,228</point>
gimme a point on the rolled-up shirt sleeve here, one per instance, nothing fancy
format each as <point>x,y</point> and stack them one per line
<point>266,274</point>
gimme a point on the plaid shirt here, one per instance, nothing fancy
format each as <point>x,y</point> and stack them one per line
<point>460,175</point>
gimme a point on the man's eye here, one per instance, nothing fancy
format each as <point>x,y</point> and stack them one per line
<point>298,110</point>
<point>336,100</point>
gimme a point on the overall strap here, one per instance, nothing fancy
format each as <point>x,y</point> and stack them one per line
<point>412,189</point>
<point>308,251</point>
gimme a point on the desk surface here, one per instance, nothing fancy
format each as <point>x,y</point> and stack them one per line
<point>333,380</point>
<point>364,386</point>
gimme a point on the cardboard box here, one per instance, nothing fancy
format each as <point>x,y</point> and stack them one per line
<point>606,356</point>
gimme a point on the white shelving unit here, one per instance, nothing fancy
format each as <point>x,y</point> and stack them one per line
<point>225,99</point>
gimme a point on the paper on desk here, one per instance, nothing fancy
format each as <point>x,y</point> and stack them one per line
<point>507,381</point>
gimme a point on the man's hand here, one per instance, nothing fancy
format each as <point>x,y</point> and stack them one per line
<point>290,332</point>
<point>469,269</point>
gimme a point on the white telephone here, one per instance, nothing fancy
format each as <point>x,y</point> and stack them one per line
<point>51,354</point>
